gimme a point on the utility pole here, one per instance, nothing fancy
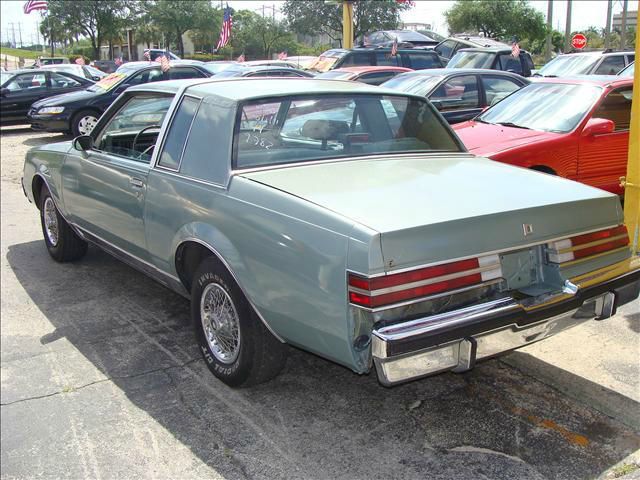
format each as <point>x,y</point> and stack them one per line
<point>567,29</point>
<point>13,34</point>
<point>607,28</point>
<point>547,51</point>
<point>623,28</point>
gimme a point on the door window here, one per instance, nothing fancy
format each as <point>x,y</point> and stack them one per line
<point>420,61</point>
<point>457,93</point>
<point>132,132</point>
<point>146,76</point>
<point>610,65</point>
<point>445,49</point>
<point>509,63</point>
<point>28,82</point>
<point>617,108</point>
<point>496,88</point>
<point>61,81</point>
<point>357,58</point>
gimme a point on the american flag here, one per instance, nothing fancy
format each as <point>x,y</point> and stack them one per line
<point>32,5</point>
<point>411,3</point>
<point>118,61</point>
<point>240,58</point>
<point>515,49</point>
<point>164,62</point>
<point>282,55</point>
<point>80,61</point>
<point>225,33</point>
<point>147,54</point>
<point>394,47</point>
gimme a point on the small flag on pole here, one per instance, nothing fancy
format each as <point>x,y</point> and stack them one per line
<point>282,56</point>
<point>32,5</point>
<point>225,33</point>
<point>118,61</point>
<point>147,54</point>
<point>80,61</point>
<point>240,58</point>
<point>515,50</point>
<point>165,65</point>
<point>394,47</point>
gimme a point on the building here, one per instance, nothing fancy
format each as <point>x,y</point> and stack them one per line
<point>137,50</point>
<point>415,26</point>
<point>632,20</point>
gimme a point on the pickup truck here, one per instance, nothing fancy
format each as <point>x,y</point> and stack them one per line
<point>344,219</point>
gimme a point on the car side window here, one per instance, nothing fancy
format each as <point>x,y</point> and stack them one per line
<point>28,82</point>
<point>630,58</point>
<point>61,81</point>
<point>617,108</point>
<point>610,65</point>
<point>496,88</point>
<point>456,93</point>
<point>177,73</point>
<point>177,136</point>
<point>385,59</point>
<point>146,76</point>
<point>445,49</point>
<point>419,61</point>
<point>357,58</point>
<point>132,132</point>
<point>509,63</point>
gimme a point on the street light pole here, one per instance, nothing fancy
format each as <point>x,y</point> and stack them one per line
<point>607,28</point>
<point>547,52</point>
<point>567,29</point>
<point>623,27</point>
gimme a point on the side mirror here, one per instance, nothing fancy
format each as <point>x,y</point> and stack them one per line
<point>95,78</point>
<point>4,92</point>
<point>598,126</point>
<point>83,143</point>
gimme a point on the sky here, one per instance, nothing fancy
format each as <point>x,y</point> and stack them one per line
<point>585,13</point>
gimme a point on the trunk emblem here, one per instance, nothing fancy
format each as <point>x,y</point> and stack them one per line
<point>527,229</point>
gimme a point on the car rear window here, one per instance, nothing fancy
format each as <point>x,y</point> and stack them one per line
<point>308,128</point>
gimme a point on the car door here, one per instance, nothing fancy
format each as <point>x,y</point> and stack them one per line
<point>104,187</point>
<point>457,98</point>
<point>19,93</point>
<point>602,159</point>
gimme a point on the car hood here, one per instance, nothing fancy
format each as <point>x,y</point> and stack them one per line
<point>429,208</point>
<point>486,139</point>
<point>66,98</point>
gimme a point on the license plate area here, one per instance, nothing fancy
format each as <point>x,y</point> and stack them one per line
<point>520,268</point>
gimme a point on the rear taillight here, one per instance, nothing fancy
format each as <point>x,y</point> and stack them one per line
<point>400,287</point>
<point>587,245</point>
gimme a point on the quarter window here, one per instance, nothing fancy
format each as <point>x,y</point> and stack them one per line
<point>132,132</point>
<point>178,132</point>
<point>509,63</point>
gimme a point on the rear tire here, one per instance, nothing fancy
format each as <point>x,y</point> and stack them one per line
<point>83,122</point>
<point>63,244</point>
<point>235,344</point>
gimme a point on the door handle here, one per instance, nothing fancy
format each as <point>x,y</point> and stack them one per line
<point>136,182</point>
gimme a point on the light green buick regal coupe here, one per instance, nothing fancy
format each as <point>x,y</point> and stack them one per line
<point>343,219</point>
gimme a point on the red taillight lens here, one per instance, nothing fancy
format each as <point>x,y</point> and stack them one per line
<point>587,245</point>
<point>399,287</point>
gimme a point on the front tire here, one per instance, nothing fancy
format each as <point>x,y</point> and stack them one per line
<point>63,244</point>
<point>235,344</point>
<point>83,122</point>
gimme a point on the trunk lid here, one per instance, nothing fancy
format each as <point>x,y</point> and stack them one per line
<point>430,209</point>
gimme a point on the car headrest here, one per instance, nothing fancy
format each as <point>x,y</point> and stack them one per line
<point>324,129</point>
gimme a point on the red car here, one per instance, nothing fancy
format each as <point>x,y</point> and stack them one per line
<point>369,75</point>
<point>577,128</point>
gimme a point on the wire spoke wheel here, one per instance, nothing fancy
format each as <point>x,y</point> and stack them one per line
<point>50,219</point>
<point>220,323</point>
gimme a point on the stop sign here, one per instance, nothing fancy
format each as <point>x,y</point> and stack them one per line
<point>578,41</point>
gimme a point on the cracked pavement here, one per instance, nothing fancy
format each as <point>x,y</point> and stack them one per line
<point>101,378</point>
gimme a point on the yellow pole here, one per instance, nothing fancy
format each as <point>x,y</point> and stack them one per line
<point>632,180</point>
<point>347,24</point>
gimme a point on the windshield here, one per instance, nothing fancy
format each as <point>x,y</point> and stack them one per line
<point>109,82</point>
<point>548,107</point>
<point>411,83</point>
<point>308,128</point>
<point>216,68</point>
<point>335,74</point>
<point>628,72</point>
<point>471,60</point>
<point>566,65</point>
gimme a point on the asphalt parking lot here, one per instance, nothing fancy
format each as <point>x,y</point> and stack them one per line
<point>101,378</point>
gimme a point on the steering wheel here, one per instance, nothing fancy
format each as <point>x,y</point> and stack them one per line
<point>135,139</point>
<point>146,150</point>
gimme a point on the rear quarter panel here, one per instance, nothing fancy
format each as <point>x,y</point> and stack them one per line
<point>46,163</point>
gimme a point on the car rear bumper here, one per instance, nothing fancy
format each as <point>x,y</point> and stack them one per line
<point>455,340</point>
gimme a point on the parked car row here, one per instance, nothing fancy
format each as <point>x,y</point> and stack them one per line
<point>346,219</point>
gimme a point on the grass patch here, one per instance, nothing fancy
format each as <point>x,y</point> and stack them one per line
<point>19,52</point>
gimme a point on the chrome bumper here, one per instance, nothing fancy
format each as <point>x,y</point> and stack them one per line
<point>454,341</point>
